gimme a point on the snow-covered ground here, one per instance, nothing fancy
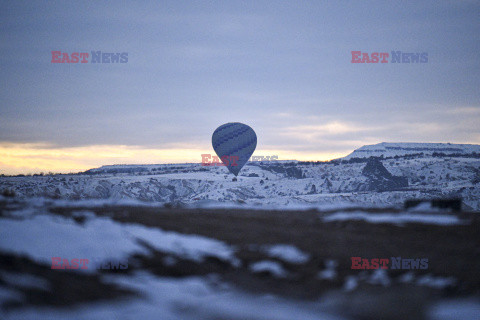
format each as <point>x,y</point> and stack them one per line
<point>267,184</point>
<point>100,237</point>
<point>398,219</point>
<point>389,149</point>
<point>192,298</point>
<point>38,230</point>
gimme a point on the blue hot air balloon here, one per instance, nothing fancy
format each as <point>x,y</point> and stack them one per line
<point>237,140</point>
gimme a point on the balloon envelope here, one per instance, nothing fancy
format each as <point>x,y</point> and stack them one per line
<point>234,139</point>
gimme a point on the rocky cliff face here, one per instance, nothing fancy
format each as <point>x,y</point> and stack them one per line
<point>288,172</point>
<point>380,179</point>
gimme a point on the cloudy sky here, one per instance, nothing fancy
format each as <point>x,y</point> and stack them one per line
<point>282,67</point>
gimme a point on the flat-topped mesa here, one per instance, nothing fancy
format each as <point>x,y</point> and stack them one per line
<point>392,149</point>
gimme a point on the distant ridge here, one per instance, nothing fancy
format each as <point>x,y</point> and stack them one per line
<point>385,149</point>
<point>391,149</point>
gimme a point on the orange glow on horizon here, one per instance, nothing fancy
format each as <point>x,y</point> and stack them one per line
<point>24,158</point>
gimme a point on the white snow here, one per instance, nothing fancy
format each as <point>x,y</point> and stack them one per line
<point>380,277</point>
<point>424,207</point>
<point>191,298</point>
<point>273,267</point>
<point>193,247</point>
<point>390,149</point>
<point>8,294</point>
<point>400,218</point>
<point>455,309</point>
<point>24,280</point>
<point>329,272</point>
<point>43,237</point>
<point>287,253</point>
<point>435,282</point>
<point>336,186</point>
<point>350,284</point>
<point>407,277</point>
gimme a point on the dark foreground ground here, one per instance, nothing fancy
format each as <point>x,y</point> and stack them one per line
<point>453,253</point>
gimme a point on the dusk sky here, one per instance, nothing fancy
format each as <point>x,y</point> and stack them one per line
<point>282,67</point>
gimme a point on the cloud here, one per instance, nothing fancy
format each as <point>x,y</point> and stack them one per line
<point>324,130</point>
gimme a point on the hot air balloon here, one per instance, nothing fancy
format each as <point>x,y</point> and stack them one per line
<point>234,143</point>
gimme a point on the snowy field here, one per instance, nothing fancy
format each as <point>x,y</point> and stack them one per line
<point>211,263</point>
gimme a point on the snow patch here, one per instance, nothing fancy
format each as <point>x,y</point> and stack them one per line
<point>192,247</point>
<point>44,236</point>
<point>273,267</point>
<point>443,220</point>
<point>465,309</point>
<point>192,298</point>
<point>287,253</point>
<point>380,277</point>
<point>329,272</point>
<point>436,282</point>
<point>351,283</point>
<point>24,280</point>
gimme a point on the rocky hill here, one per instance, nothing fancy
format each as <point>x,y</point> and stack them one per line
<point>387,182</point>
<point>389,149</point>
